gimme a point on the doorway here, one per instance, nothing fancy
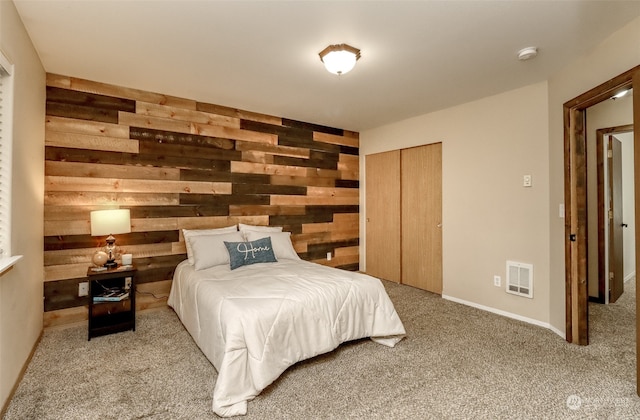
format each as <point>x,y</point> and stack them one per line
<point>615,241</point>
<point>576,259</point>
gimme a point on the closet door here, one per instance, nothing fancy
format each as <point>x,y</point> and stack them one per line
<point>421,186</point>
<point>382,174</point>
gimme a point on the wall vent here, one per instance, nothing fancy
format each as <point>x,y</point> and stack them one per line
<point>520,279</point>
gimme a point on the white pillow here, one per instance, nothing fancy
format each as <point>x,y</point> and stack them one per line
<point>197,232</point>
<point>251,228</point>
<point>209,250</point>
<point>281,242</point>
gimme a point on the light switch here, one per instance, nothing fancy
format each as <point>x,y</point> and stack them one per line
<point>526,181</point>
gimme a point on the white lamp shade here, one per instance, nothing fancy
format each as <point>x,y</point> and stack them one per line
<point>339,59</point>
<point>339,62</point>
<point>108,222</point>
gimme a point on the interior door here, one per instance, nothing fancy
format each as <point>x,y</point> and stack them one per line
<point>616,223</point>
<point>382,174</point>
<point>421,179</point>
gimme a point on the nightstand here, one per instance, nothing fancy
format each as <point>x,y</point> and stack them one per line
<point>112,300</point>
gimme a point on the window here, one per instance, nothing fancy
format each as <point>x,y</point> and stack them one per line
<point>6,140</point>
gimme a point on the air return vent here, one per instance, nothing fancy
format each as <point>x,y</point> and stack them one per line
<point>520,279</point>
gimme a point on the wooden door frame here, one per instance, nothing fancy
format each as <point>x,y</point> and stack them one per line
<point>600,134</point>
<point>575,197</point>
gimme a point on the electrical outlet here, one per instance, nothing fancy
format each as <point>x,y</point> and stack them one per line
<point>127,283</point>
<point>83,289</point>
<point>497,281</point>
<point>329,256</point>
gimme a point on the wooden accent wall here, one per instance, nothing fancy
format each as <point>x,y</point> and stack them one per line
<point>182,164</point>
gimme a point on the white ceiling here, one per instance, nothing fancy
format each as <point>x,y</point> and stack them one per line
<point>262,56</point>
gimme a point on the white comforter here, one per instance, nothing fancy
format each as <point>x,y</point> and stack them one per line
<point>254,322</point>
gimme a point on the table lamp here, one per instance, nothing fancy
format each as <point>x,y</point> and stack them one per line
<point>110,222</point>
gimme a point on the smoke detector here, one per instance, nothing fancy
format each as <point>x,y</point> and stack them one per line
<point>527,53</point>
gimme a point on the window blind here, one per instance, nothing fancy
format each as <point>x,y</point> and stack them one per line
<point>6,99</point>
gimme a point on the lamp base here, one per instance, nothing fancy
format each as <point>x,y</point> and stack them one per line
<point>111,264</point>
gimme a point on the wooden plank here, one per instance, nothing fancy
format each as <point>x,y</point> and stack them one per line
<point>302,181</point>
<point>351,175</point>
<point>301,125</point>
<point>65,271</point>
<point>345,183</point>
<point>289,200</point>
<point>88,100</point>
<point>349,250</point>
<point>249,210</point>
<point>323,173</point>
<point>71,213</point>
<point>65,242</point>
<point>166,124</point>
<point>83,141</point>
<point>233,133</point>
<point>70,183</point>
<point>185,139</point>
<point>218,222</point>
<point>273,149</point>
<point>347,218</point>
<point>81,198</point>
<point>332,192</point>
<point>338,261</point>
<point>184,187</point>
<point>154,224</point>
<point>333,139</point>
<point>96,170</point>
<point>82,112</point>
<point>349,163</point>
<point>67,227</point>
<point>257,157</point>
<point>154,110</point>
<point>259,168</point>
<point>154,294</point>
<point>233,112</point>
<point>65,316</point>
<point>84,255</point>
<point>122,92</point>
<point>92,128</point>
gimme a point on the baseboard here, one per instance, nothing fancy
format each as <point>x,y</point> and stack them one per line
<point>630,276</point>
<point>507,314</point>
<point>5,406</point>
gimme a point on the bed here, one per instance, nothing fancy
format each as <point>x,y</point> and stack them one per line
<point>255,321</point>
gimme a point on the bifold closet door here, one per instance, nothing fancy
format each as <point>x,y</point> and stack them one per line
<point>383,215</point>
<point>421,203</point>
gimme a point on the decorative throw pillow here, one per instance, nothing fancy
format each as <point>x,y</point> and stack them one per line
<point>282,246</point>
<point>190,233</point>
<point>209,250</point>
<point>245,253</point>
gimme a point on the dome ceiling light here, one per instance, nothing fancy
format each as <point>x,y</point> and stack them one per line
<point>339,59</point>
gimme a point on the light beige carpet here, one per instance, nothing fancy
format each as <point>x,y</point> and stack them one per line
<point>456,362</point>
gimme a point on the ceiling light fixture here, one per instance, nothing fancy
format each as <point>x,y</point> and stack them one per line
<point>620,94</point>
<point>339,59</point>
<point>527,53</point>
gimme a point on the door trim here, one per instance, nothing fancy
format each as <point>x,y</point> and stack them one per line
<point>575,176</point>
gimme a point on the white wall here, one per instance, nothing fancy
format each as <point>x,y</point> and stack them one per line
<point>614,56</point>
<point>488,216</point>
<point>628,205</point>
<point>487,146</point>
<point>21,307</point>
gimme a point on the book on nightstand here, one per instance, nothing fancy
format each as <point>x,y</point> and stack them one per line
<point>111,296</point>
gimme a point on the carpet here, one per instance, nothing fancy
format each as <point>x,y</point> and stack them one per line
<point>456,362</point>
